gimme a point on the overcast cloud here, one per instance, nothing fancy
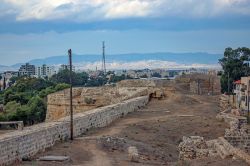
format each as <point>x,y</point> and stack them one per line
<point>92,10</point>
<point>31,29</point>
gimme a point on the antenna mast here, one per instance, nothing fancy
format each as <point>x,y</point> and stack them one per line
<point>103,58</point>
<point>71,96</point>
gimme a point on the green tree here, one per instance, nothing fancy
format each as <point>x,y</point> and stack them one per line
<point>36,110</point>
<point>11,106</point>
<point>144,76</point>
<point>61,86</point>
<point>155,74</point>
<point>13,80</point>
<point>78,79</point>
<point>99,81</point>
<point>234,66</point>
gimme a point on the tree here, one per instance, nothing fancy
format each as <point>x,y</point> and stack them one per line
<point>115,78</point>
<point>62,86</point>
<point>11,106</point>
<point>78,79</point>
<point>99,81</point>
<point>155,74</point>
<point>37,110</point>
<point>234,66</point>
<point>13,80</point>
<point>144,76</point>
<point>4,83</point>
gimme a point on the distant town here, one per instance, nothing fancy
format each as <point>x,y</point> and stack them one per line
<point>7,78</point>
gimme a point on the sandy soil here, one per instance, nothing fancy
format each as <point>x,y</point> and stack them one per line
<point>155,130</point>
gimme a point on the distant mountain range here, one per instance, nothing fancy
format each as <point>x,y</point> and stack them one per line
<point>178,58</point>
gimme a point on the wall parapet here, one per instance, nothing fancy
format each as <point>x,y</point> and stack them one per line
<point>16,146</point>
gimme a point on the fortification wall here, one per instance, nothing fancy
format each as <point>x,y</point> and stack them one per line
<point>18,145</point>
<point>85,99</point>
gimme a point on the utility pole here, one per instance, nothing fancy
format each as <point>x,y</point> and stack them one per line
<point>71,102</point>
<point>248,84</point>
<point>198,86</point>
<point>228,82</point>
<point>103,58</point>
<point>212,86</point>
<point>228,87</point>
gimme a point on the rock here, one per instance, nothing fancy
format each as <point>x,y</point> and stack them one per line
<point>133,154</point>
<point>235,112</point>
<point>54,158</point>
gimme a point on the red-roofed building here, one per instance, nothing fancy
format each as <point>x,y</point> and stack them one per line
<point>237,82</point>
<point>241,89</point>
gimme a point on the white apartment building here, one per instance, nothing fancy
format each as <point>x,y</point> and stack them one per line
<point>45,71</point>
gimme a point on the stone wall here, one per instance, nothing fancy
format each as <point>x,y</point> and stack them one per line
<point>19,145</point>
<point>157,88</point>
<point>200,83</point>
<point>144,83</point>
<point>238,133</point>
<point>206,86</point>
<point>195,147</point>
<point>85,99</point>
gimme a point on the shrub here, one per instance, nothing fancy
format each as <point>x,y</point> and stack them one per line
<point>89,100</point>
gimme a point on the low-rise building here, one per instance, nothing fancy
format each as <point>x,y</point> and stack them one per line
<point>5,82</point>
<point>241,91</point>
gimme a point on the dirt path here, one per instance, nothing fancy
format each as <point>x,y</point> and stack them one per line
<point>99,156</point>
<point>155,130</point>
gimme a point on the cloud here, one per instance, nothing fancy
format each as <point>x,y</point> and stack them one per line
<point>150,64</point>
<point>92,10</point>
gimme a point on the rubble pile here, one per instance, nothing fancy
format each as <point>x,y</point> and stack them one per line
<point>193,147</point>
<point>224,105</point>
<point>238,128</point>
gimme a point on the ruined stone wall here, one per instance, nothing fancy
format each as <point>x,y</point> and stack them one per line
<point>144,83</point>
<point>200,83</point>
<point>84,99</point>
<point>16,146</point>
<point>157,88</point>
<point>210,86</point>
<point>238,133</point>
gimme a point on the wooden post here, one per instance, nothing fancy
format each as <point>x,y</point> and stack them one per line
<point>71,102</point>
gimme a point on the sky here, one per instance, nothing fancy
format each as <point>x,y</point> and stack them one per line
<point>31,29</point>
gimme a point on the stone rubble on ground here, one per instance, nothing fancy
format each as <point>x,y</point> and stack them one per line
<point>192,147</point>
<point>133,154</point>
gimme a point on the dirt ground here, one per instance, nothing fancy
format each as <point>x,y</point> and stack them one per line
<point>155,130</point>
